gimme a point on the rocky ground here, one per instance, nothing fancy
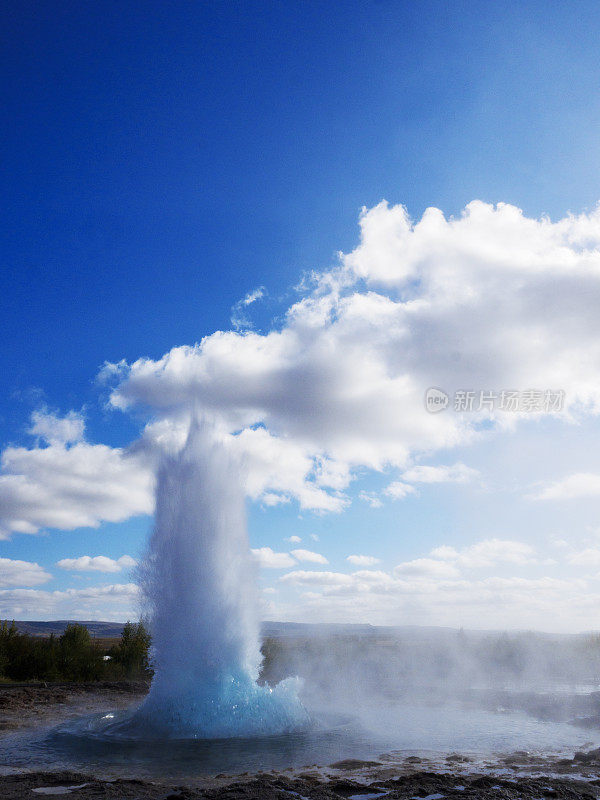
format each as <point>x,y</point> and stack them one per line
<point>345,781</point>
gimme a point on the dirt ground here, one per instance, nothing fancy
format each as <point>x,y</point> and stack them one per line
<point>29,705</point>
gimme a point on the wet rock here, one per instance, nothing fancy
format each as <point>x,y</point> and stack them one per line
<point>458,758</point>
<point>352,782</point>
<point>592,756</point>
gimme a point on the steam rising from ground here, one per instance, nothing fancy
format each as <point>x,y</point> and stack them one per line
<point>443,689</point>
<point>199,583</point>
<point>351,666</point>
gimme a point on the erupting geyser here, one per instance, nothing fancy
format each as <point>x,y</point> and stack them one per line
<point>199,582</point>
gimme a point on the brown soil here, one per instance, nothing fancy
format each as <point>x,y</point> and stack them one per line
<point>29,705</point>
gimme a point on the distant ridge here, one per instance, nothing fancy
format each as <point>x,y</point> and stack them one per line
<point>112,629</point>
<point>57,627</point>
<point>293,629</point>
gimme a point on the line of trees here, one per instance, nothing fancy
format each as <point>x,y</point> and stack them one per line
<point>75,655</point>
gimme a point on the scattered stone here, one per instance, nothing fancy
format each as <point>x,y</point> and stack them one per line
<point>416,785</point>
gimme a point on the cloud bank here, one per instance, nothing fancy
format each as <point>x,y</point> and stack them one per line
<point>488,301</point>
<point>116,601</point>
<point>491,300</point>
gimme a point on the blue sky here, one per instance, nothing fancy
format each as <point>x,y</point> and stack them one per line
<point>163,162</point>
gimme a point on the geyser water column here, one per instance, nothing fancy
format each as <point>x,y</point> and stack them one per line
<point>198,581</point>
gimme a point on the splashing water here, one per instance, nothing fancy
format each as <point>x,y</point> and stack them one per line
<point>199,582</point>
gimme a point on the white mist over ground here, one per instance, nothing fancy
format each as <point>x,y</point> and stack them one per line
<point>199,583</point>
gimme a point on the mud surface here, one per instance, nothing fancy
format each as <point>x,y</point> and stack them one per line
<point>31,705</point>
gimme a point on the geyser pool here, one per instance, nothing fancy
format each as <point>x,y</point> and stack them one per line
<point>199,583</point>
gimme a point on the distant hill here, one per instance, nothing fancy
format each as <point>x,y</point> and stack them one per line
<point>113,629</point>
<point>290,630</point>
<point>99,629</point>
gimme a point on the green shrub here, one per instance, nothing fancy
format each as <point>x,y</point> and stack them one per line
<point>131,654</point>
<point>73,656</point>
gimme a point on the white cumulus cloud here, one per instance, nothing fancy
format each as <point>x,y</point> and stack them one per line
<point>319,578</point>
<point>588,557</point>
<point>97,564</point>
<point>309,555</point>
<point>269,559</point>
<point>362,561</point>
<point>426,567</point>
<point>21,573</point>
<point>581,484</point>
<point>396,490</point>
<point>69,484</point>
<point>457,473</point>
<point>487,553</point>
<point>55,429</point>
